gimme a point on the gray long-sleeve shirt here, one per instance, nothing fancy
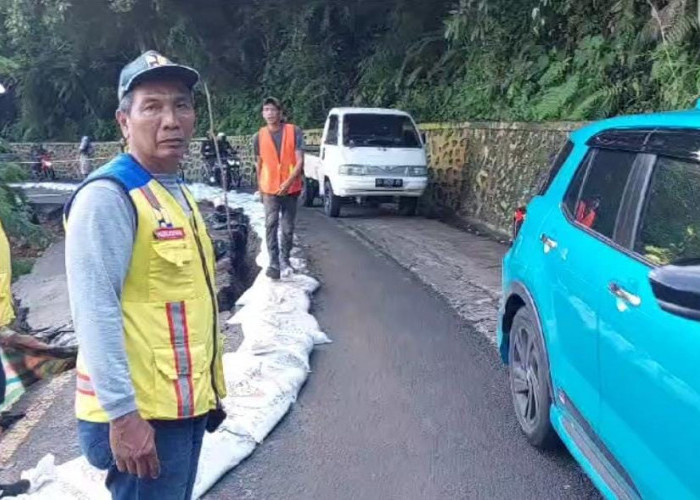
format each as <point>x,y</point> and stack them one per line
<point>99,244</point>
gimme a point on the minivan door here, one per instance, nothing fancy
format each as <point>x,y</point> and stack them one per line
<point>330,150</point>
<point>649,358</point>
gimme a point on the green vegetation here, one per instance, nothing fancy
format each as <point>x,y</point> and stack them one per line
<point>20,267</point>
<point>443,60</point>
<point>15,213</point>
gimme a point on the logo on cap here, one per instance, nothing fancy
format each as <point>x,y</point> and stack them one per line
<point>154,60</point>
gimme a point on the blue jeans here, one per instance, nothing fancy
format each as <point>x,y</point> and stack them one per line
<point>178,443</point>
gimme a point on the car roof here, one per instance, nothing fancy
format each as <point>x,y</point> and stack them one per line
<point>374,111</point>
<point>688,119</point>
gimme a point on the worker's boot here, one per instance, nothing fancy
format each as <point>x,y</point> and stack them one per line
<point>273,273</point>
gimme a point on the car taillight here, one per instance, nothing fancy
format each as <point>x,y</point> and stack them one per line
<point>518,219</point>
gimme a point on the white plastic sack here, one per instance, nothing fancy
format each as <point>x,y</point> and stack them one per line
<point>221,452</point>
<point>74,480</point>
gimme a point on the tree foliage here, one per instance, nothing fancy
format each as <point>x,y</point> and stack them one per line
<point>442,60</point>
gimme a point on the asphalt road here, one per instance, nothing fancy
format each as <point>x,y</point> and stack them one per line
<point>409,402</point>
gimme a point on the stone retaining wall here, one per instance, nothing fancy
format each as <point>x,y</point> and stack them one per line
<point>482,171</point>
<point>479,171</point>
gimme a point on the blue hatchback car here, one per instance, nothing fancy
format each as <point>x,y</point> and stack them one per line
<point>600,317</point>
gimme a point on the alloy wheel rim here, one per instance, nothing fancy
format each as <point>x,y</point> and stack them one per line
<point>526,379</point>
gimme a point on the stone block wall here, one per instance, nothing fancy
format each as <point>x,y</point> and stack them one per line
<point>64,156</point>
<point>479,171</point>
<point>66,164</point>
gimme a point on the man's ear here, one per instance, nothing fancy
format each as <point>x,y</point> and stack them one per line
<point>123,122</point>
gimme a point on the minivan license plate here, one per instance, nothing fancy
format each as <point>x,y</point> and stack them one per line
<point>389,183</point>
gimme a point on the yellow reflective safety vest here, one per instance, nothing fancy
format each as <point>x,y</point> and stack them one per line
<point>6,311</point>
<point>169,305</point>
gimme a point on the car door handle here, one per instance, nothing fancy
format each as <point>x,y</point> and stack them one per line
<point>549,243</point>
<point>624,295</point>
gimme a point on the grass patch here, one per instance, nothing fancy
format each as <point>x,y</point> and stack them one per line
<point>20,267</point>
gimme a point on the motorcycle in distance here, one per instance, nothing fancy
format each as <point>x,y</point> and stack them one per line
<point>231,169</point>
<point>42,169</point>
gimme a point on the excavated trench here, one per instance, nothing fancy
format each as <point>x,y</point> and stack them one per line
<point>236,269</point>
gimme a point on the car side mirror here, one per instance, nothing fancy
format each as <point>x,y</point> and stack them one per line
<point>424,137</point>
<point>677,288</point>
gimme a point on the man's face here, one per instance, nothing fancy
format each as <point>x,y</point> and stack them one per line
<point>271,114</point>
<point>160,123</point>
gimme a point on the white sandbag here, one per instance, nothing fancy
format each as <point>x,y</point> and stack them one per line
<point>221,452</point>
<point>299,345</point>
<point>285,369</point>
<point>245,299</point>
<point>259,422</point>
<point>320,337</point>
<point>74,480</point>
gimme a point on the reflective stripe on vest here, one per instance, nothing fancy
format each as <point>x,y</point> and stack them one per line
<point>179,340</point>
<point>168,310</point>
<point>6,311</point>
<point>278,167</point>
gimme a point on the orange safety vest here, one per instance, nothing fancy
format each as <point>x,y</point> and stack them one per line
<point>277,168</point>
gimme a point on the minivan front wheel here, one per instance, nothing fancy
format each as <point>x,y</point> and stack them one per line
<point>331,202</point>
<point>529,380</point>
<point>408,206</point>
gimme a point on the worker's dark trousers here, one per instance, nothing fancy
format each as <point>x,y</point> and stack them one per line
<point>287,207</point>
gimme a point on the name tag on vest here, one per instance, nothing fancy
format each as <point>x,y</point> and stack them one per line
<point>169,233</point>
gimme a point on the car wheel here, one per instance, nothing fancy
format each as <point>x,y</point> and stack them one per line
<point>529,380</point>
<point>408,206</point>
<point>308,192</point>
<point>331,202</point>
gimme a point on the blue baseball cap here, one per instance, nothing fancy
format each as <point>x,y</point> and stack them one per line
<point>150,66</point>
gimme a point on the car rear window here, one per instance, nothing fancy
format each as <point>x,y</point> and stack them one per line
<point>669,228</point>
<point>556,165</point>
<point>595,195</point>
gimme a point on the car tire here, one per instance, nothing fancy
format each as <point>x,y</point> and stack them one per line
<point>331,202</point>
<point>308,194</point>
<point>408,206</point>
<point>529,380</point>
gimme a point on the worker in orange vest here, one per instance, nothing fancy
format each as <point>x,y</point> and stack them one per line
<point>279,163</point>
<point>587,211</point>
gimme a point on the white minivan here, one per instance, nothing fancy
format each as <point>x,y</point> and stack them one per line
<point>368,154</point>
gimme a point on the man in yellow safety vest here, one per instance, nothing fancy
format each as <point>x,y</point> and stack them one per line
<point>140,269</point>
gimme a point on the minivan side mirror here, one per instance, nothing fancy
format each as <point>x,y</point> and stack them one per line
<point>677,288</point>
<point>424,137</point>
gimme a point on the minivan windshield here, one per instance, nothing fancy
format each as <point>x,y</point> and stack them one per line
<point>377,130</point>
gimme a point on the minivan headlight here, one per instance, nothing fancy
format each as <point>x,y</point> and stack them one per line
<point>418,171</point>
<point>352,170</point>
